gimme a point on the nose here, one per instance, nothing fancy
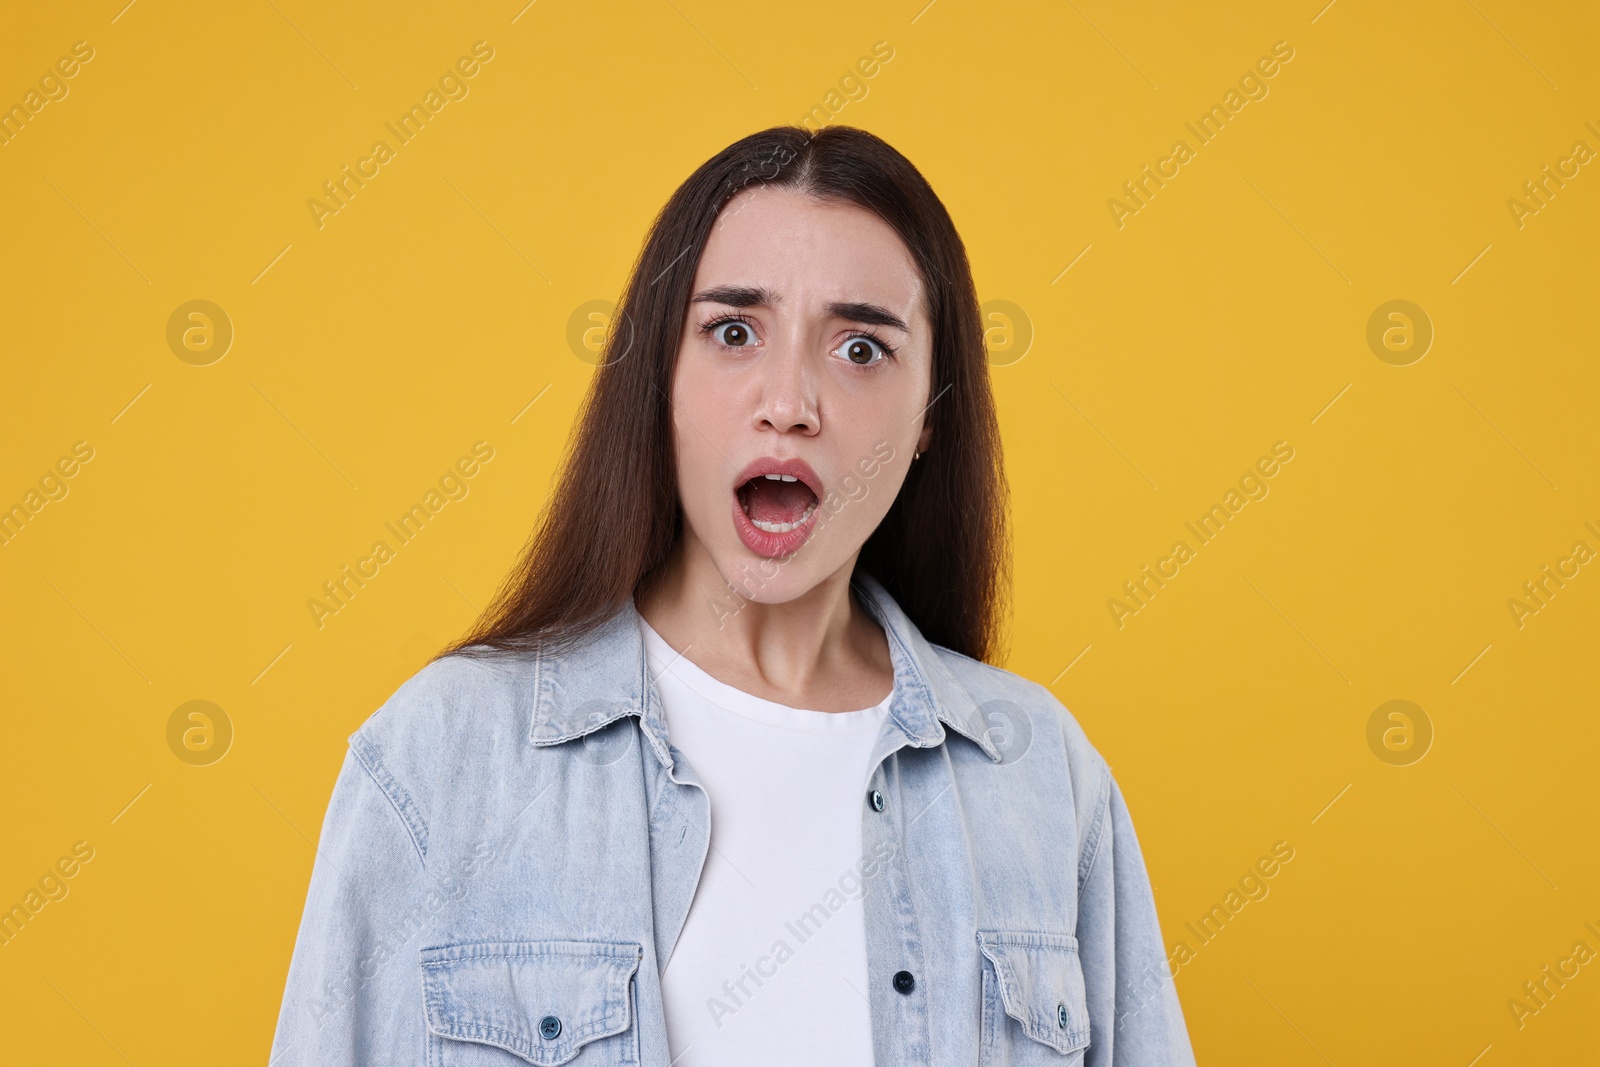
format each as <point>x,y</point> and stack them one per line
<point>788,399</point>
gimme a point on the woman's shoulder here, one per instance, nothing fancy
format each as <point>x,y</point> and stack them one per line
<point>1044,752</point>
<point>1005,695</point>
<point>450,712</point>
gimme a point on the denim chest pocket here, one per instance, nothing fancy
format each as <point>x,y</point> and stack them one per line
<point>505,1003</point>
<point>1034,1007</point>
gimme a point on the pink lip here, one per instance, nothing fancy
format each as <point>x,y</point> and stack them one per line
<point>775,545</point>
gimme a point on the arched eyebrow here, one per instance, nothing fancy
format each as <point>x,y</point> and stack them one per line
<point>871,314</point>
<point>750,296</point>
<point>739,296</point>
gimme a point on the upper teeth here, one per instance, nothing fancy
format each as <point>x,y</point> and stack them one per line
<point>780,477</point>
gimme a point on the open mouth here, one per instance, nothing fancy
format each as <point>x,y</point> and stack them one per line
<point>776,503</point>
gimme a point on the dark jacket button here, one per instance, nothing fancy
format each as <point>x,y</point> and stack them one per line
<point>549,1027</point>
<point>904,982</point>
<point>875,798</point>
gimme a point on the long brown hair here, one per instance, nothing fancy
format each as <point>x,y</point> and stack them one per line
<point>941,551</point>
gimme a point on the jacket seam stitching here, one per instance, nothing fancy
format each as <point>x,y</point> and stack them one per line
<point>398,799</point>
<point>538,690</point>
<point>1096,831</point>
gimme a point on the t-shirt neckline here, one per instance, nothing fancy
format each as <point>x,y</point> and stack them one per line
<point>663,657</point>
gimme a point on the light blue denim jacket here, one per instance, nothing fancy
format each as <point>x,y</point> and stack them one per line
<point>512,846</point>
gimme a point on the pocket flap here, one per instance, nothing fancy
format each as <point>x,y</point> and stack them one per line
<point>502,993</point>
<point>1041,985</point>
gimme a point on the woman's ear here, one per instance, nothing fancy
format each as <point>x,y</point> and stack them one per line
<point>924,437</point>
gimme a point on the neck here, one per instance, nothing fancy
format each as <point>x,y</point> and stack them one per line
<point>820,650</point>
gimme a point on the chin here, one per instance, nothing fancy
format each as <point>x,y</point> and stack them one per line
<point>770,581</point>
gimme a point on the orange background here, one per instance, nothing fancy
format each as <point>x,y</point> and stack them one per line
<point>1141,370</point>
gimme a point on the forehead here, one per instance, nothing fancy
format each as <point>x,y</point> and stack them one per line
<point>809,252</point>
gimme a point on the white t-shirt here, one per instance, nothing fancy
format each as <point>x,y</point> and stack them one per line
<point>771,966</point>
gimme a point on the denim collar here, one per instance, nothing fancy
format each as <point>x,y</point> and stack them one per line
<point>607,676</point>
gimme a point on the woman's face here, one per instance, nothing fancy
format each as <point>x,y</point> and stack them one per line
<point>801,389</point>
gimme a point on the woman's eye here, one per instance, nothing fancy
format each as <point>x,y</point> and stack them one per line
<point>864,351</point>
<point>734,334</point>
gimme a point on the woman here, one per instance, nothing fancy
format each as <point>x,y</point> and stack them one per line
<point>722,777</point>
